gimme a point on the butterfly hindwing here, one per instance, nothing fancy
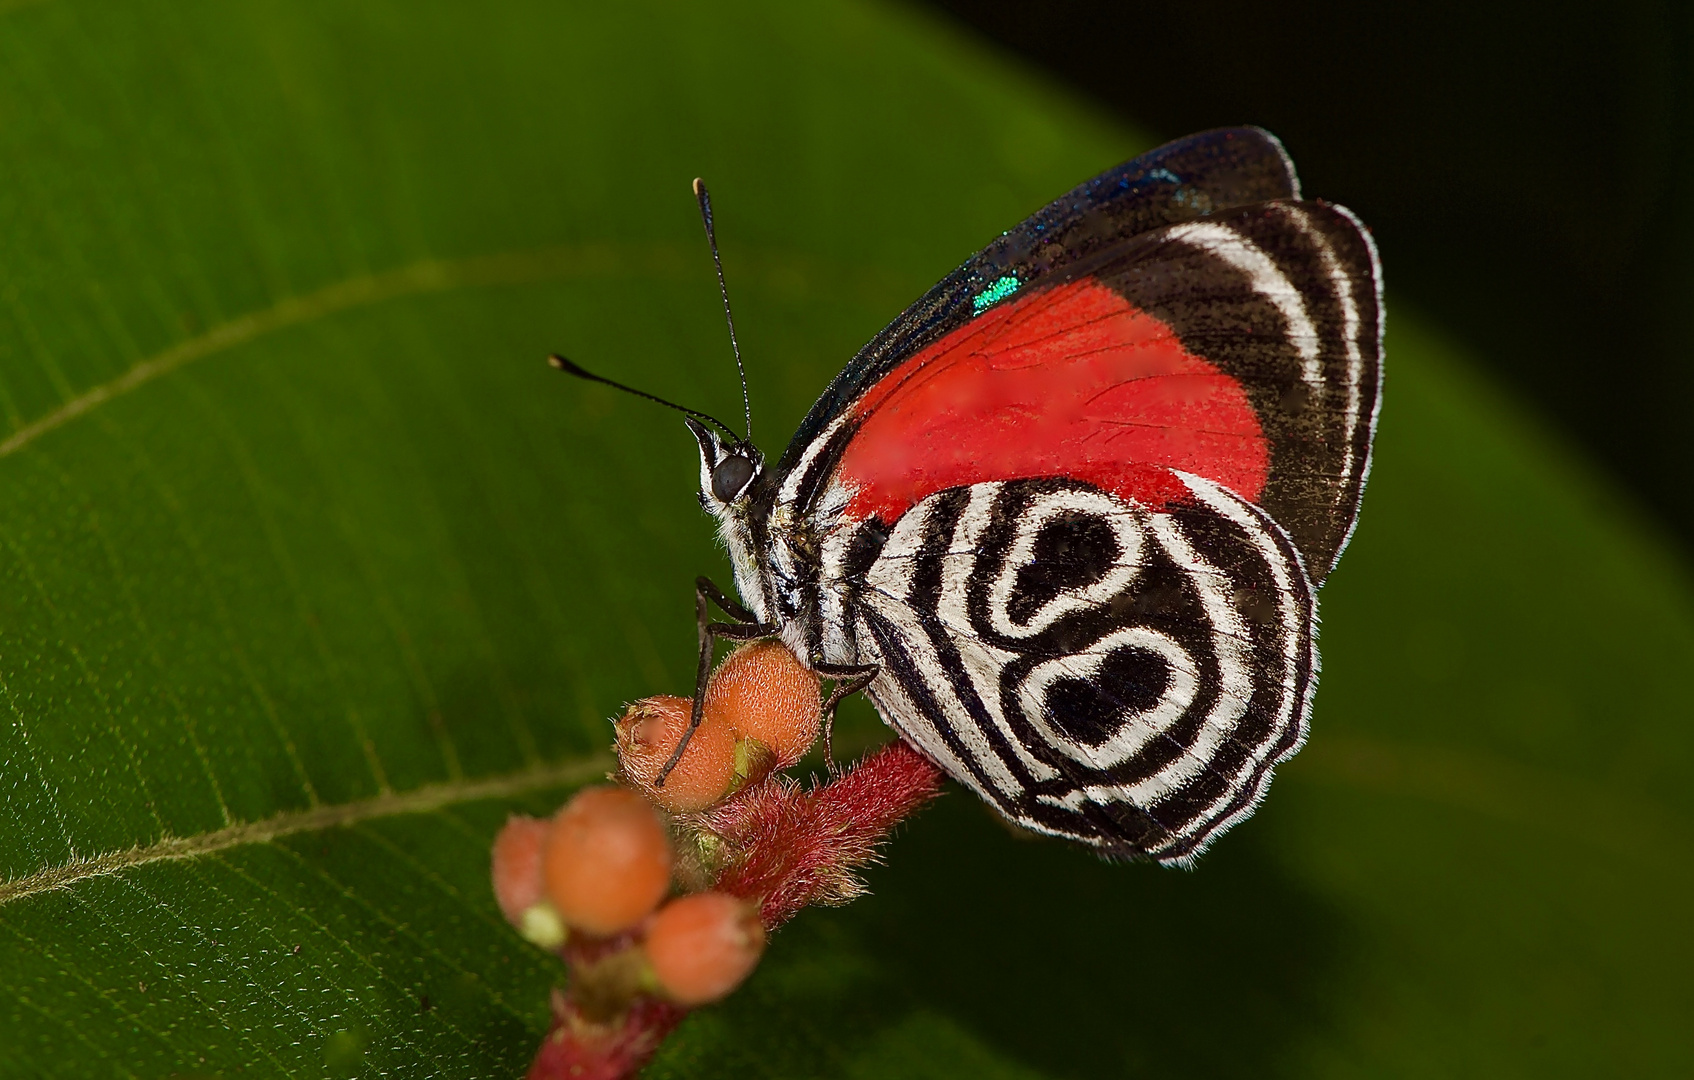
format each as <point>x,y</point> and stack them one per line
<point>1118,674</point>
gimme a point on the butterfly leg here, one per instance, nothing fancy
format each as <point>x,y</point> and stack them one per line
<point>848,679</point>
<point>746,628</point>
<point>705,589</point>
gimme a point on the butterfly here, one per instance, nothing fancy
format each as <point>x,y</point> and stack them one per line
<point>1064,520</point>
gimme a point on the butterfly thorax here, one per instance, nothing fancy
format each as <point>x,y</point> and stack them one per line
<point>776,558</point>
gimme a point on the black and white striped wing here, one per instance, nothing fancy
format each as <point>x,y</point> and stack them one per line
<point>1094,668</point>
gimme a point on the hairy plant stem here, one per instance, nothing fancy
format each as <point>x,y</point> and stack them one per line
<point>775,843</point>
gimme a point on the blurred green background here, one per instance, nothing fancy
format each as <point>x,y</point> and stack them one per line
<point>1528,166</point>
<point>300,531</point>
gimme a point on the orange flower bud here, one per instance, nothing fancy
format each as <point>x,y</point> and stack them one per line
<point>608,860</point>
<point>765,693</point>
<point>647,735</point>
<point>702,946</point>
<point>517,866</point>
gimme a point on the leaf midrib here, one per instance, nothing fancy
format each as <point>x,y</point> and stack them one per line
<point>603,259</point>
<point>1487,786</point>
<point>423,276</point>
<point>420,800</point>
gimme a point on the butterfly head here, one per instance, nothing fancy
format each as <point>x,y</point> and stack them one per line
<point>730,474</point>
<point>729,468</point>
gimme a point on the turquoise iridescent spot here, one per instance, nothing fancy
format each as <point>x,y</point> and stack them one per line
<point>987,298</point>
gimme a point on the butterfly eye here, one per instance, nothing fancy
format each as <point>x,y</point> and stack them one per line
<point>729,478</point>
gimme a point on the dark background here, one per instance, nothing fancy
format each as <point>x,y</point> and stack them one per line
<point>1528,170</point>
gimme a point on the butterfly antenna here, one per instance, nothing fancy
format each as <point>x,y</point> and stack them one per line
<point>705,199</point>
<point>570,367</point>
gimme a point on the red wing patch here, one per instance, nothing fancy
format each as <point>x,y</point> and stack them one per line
<point>1070,381</point>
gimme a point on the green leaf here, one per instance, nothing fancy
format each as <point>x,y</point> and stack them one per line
<point>311,571</point>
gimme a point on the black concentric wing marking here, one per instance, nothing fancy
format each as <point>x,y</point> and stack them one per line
<point>1180,181</point>
<point>1095,669</point>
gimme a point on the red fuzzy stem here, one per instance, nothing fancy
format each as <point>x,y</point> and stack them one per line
<point>580,1049</point>
<point>794,847</point>
<point>787,848</point>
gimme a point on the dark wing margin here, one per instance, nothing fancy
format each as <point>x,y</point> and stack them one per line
<point>1285,298</point>
<point>1178,182</point>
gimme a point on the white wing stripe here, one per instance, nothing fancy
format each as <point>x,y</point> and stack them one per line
<point>790,490</point>
<point>1289,615</point>
<point>953,713</point>
<point>982,662</point>
<point>1350,326</point>
<point>891,700</point>
<point>1268,281</point>
<point>1042,510</point>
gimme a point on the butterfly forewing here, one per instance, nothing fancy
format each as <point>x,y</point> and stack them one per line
<point>1243,346</point>
<point>1181,181</point>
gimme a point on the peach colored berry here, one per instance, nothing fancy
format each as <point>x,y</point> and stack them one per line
<point>647,735</point>
<point>608,860</point>
<point>517,866</point>
<point>765,693</point>
<point>702,946</point>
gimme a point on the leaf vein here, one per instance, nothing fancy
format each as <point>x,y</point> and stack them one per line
<point>418,278</point>
<point>425,799</point>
